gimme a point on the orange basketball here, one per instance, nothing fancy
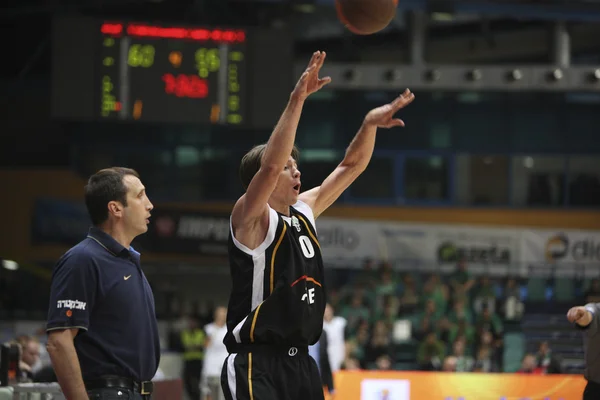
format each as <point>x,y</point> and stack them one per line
<point>365,17</point>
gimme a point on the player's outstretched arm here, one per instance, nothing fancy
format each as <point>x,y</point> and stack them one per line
<point>253,204</point>
<point>580,316</point>
<point>358,155</point>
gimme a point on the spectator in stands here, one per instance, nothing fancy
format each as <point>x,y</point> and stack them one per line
<point>461,278</point>
<point>355,313</point>
<point>528,365</point>
<point>444,329</point>
<point>428,319</point>
<point>435,290</point>
<point>546,360</point>
<point>409,300</point>
<point>356,344</point>
<point>512,306</point>
<point>450,364</point>
<point>30,355</point>
<point>484,296</point>
<point>351,364</point>
<point>335,327</point>
<point>430,353</point>
<point>592,294</point>
<point>460,311</point>
<point>383,363</point>
<point>464,362</point>
<point>380,343</point>
<point>489,356</point>
<point>462,329</point>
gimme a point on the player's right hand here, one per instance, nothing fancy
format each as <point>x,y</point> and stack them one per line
<point>310,82</point>
<point>576,314</point>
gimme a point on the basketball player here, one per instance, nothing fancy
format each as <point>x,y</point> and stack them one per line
<point>277,301</point>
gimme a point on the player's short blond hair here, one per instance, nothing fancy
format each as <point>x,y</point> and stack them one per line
<point>252,161</point>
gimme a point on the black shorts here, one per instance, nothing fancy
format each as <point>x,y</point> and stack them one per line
<point>267,373</point>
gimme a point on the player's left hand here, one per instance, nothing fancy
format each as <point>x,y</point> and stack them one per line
<point>383,117</point>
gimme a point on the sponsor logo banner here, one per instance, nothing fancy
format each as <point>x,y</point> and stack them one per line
<point>436,245</point>
<point>561,248</point>
<point>397,385</point>
<point>186,232</point>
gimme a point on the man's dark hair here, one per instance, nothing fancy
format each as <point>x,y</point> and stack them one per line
<point>103,187</point>
<point>252,161</point>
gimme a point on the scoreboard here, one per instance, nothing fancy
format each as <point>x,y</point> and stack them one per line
<point>160,73</point>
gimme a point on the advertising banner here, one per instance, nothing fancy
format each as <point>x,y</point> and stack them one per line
<point>566,250</point>
<point>177,231</point>
<point>375,385</point>
<point>61,222</point>
<point>429,244</point>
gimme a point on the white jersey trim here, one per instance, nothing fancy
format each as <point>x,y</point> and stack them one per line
<point>306,210</point>
<point>273,221</point>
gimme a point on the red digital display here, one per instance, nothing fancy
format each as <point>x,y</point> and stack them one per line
<point>151,31</point>
<point>186,86</point>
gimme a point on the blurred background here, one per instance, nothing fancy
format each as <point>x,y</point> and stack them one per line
<point>462,246</point>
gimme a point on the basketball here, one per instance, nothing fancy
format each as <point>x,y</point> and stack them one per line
<point>365,17</point>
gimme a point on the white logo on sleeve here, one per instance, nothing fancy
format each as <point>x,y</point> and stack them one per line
<point>71,304</point>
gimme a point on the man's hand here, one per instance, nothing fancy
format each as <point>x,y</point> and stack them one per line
<point>383,117</point>
<point>580,316</point>
<point>310,82</point>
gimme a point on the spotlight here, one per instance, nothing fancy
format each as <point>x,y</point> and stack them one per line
<point>474,75</point>
<point>515,75</point>
<point>432,75</point>
<point>555,75</point>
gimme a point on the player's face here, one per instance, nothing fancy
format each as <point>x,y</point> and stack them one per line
<point>137,213</point>
<point>288,186</point>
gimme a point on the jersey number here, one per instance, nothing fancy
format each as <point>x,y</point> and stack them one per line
<point>307,247</point>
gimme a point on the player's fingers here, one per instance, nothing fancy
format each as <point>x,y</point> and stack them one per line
<point>396,122</point>
<point>313,58</point>
<point>322,59</point>
<point>324,81</point>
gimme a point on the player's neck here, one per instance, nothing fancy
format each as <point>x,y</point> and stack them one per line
<point>118,233</point>
<point>281,208</point>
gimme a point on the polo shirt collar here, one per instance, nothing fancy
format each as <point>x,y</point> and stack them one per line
<point>108,242</point>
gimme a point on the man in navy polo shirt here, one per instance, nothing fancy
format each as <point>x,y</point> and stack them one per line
<point>102,330</point>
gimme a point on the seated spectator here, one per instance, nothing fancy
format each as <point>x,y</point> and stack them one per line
<point>357,344</point>
<point>379,344</point>
<point>430,353</point>
<point>437,291</point>
<point>528,366</point>
<point>351,364</point>
<point>444,328</point>
<point>460,310</point>
<point>409,301</point>
<point>355,313</point>
<point>489,355</point>
<point>546,361</point>
<point>461,279</point>
<point>462,329</point>
<point>427,320</point>
<point>464,363</point>
<point>450,364</point>
<point>383,363</point>
<point>389,311</point>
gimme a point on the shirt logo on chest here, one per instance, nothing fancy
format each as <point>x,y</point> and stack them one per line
<point>127,277</point>
<point>296,223</point>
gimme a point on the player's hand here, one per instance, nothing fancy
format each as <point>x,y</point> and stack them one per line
<point>577,314</point>
<point>383,117</point>
<point>310,82</point>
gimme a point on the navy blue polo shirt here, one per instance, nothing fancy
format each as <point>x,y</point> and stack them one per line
<point>98,286</point>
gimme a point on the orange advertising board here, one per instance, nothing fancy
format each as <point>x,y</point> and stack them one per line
<point>395,385</point>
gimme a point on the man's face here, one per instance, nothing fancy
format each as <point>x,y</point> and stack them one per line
<point>288,185</point>
<point>31,353</point>
<point>137,212</point>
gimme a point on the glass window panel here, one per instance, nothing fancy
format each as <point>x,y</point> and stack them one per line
<point>426,178</point>
<point>316,165</point>
<point>581,122</point>
<point>377,182</point>
<point>538,180</point>
<point>480,127</point>
<point>584,181</point>
<point>482,180</point>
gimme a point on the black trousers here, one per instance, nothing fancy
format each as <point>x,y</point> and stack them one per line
<point>192,369</point>
<point>261,375</point>
<point>116,394</point>
<point>591,391</point>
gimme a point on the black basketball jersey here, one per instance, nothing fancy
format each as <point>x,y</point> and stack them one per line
<point>277,293</point>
